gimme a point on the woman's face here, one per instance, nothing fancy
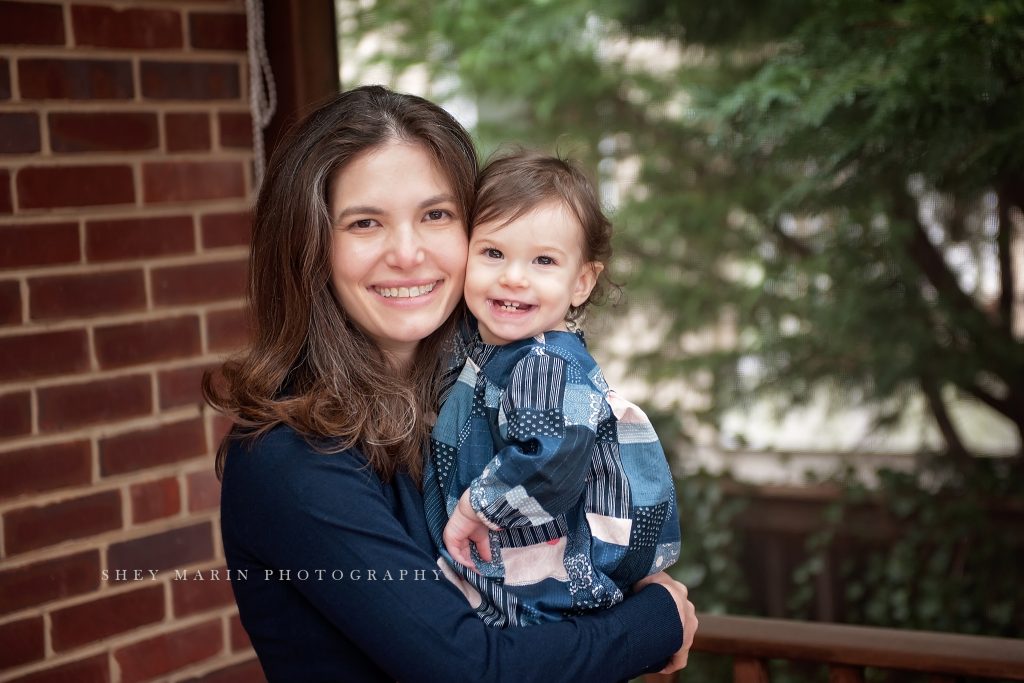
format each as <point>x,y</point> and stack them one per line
<point>398,258</point>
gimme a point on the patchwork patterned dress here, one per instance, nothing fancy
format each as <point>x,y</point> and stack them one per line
<point>569,478</point>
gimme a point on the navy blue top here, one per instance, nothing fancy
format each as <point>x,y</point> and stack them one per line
<point>302,532</point>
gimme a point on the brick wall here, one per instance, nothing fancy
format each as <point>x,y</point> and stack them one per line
<point>125,181</point>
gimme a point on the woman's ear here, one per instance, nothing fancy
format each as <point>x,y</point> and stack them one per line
<point>585,282</point>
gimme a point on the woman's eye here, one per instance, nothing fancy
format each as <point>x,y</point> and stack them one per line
<point>363,223</point>
<point>545,261</point>
<point>492,253</point>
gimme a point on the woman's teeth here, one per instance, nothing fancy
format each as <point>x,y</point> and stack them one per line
<point>404,292</point>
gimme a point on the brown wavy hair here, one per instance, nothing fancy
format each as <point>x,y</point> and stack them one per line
<point>307,366</point>
<point>515,181</point>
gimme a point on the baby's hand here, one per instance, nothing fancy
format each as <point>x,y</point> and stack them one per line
<point>465,527</point>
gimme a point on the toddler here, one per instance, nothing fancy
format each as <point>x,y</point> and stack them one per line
<point>548,494</point>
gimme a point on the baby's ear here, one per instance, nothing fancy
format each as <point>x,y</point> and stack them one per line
<point>585,282</point>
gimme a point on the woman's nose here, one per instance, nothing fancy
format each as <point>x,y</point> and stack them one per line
<point>405,248</point>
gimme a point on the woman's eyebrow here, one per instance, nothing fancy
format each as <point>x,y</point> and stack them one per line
<point>348,211</point>
<point>437,199</point>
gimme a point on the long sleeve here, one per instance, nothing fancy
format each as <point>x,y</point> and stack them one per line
<point>547,419</point>
<point>288,508</point>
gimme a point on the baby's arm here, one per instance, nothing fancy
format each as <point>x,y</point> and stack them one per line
<point>463,527</point>
<point>547,423</point>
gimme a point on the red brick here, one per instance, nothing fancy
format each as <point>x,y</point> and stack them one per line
<point>226,330</point>
<point>10,302</point>
<point>5,79</point>
<point>118,346</point>
<point>191,596</point>
<point>94,669</point>
<point>19,131</point>
<point>181,386</point>
<point>39,245</point>
<point>29,528</point>
<point>31,23</point>
<point>203,491</point>
<point>70,296</point>
<point>166,550</point>
<point>45,468</point>
<point>91,621</point>
<point>138,238</point>
<point>199,283</point>
<point>43,354</point>
<point>235,130</point>
<point>48,187</point>
<point>215,31</point>
<point>130,29</point>
<point>168,652</point>
<point>103,132</point>
<point>187,132</point>
<point>226,229</point>
<point>185,181</point>
<point>152,447</point>
<point>155,499</point>
<point>190,81</point>
<point>17,411</point>
<point>106,400</point>
<point>49,580</point>
<point>239,637</point>
<point>6,203</point>
<point>21,642</point>
<point>244,672</point>
<point>75,79</point>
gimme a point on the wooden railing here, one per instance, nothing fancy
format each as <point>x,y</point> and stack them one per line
<point>846,650</point>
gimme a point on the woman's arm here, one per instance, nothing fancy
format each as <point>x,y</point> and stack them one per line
<point>311,511</point>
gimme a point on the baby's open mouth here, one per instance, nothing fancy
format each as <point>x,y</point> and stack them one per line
<point>511,306</point>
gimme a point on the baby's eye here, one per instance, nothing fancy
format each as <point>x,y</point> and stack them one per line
<point>438,214</point>
<point>492,253</point>
<point>545,261</point>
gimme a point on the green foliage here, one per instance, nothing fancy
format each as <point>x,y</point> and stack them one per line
<point>940,552</point>
<point>787,154</point>
<point>709,562</point>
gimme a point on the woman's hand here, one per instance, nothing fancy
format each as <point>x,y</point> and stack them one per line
<point>687,615</point>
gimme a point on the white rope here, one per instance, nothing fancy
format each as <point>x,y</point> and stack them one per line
<point>262,93</point>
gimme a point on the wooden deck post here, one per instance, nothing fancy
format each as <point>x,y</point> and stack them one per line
<point>749,670</point>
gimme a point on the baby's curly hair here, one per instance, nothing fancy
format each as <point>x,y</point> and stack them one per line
<point>516,181</point>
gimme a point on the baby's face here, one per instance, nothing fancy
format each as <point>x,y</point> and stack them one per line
<point>522,277</point>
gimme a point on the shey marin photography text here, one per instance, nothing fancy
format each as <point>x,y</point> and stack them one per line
<point>367,574</point>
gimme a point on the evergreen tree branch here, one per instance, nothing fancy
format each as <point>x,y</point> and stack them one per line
<point>977,325</point>
<point>1000,405</point>
<point>954,444</point>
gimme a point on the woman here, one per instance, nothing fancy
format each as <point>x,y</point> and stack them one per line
<point>358,260</point>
